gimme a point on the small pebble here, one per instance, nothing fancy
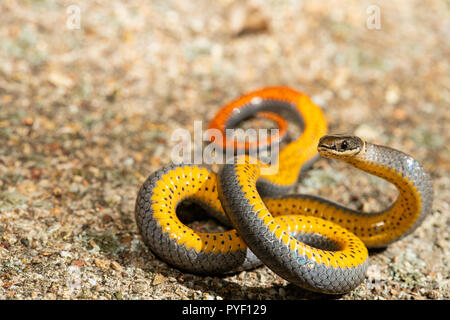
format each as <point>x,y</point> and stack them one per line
<point>102,264</point>
<point>158,279</point>
<point>25,242</point>
<point>57,192</point>
<point>28,121</point>
<point>116,266</point>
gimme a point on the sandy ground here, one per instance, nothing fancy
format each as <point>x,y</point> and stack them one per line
<point>88,106</point>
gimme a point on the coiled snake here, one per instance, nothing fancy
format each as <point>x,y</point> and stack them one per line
<point>312,242</point>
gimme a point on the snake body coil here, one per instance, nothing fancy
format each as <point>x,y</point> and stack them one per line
<point>309,241</point>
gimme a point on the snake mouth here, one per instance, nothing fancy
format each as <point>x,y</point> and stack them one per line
<point>324,148</point>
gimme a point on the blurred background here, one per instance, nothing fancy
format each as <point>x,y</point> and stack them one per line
<point>90,92</point>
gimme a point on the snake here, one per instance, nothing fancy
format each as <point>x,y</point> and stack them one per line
<point>312,242</point>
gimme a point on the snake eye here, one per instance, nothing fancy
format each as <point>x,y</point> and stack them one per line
<point>344,145</point>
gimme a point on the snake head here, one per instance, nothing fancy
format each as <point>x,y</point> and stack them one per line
<point>340,146</point>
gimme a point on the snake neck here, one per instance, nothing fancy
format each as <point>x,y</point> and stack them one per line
<point>415,191</point>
